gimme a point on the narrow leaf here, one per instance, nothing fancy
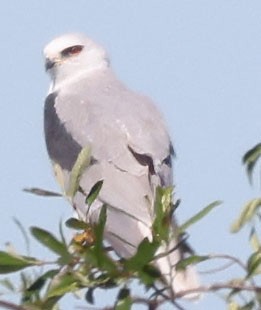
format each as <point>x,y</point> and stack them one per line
<point>254,240</point>
<point>99,228</point>
<point>250,159</point>
<point>39,282</point>
<point>163,214</point>
<point>82,162</point>
<point>48,240</point>
<point>144,255</point>
<point>76,224</point>
<point>11,263</point>
<point>62,233</point>
<point>124,301</point>
<point>254,264</point>
<point>194,259</point>
<point>62,285</point>
<point>41,192</point>
<point>247,214</point>
<point>7,284</point>
<point>198,216</point>
<point>50,303</point>
<point>96,252</point>
<point>24,234</point>
<point>94,192</point>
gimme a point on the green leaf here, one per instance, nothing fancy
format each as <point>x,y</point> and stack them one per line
<point>254,240</point>
<point>250,159</point>
<point>99,228</point>
<point>38,283</point>
<point>50,303</point>
<point>144,255</point>
<point>162,207</point>
<point>48,240</point>
<point>148,274</point>
<point>7,284</point>
<point>194,259</point>
<point>24,234</point>
<point>124,301</point>
<point>123,293</point>
<point>247,214</point>
<point>61,232</point>
<point>76,224</point>
<point>82,162</point>
<point>96,253</point>
<point>94,192</point>
<point>100,259</point>
<point>198,216</point>
<point>63,284</point>
<point>32,292</point>
<point>254,264</point>
<point>151,271</point>
<point>11,263</point>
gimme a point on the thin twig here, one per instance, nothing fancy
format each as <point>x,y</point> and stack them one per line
<point>230,257</point>
<point>176,247</point>
<point>217,287</point>
<point>10,306</point>
<point>218,269</point>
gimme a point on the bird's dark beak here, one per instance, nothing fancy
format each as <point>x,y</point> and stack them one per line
<point>49,64</point>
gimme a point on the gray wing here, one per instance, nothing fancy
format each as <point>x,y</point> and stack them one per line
<point>131,152</point>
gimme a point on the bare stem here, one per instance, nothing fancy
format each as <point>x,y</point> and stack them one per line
<point>11,306</point>
<point>219,286</point>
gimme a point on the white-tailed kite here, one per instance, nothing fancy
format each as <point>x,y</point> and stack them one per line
<point>88,106</point>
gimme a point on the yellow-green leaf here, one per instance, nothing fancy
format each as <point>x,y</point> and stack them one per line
<point>247,214</point>
<point>254,264</point>
<point>82,162</point>
<point>233,306</point>
<point>254,240</point>
<point>198,216</point>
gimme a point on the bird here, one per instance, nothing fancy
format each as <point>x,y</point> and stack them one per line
<point>88,107</point>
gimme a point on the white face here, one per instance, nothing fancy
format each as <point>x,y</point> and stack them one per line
<point>70,54</point>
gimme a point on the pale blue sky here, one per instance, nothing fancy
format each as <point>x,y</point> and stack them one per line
<point>199,60</point>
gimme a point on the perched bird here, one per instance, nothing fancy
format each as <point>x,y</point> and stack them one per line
<point>131,151</point>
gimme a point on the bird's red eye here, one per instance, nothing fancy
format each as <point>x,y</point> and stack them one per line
<point>72,50</point>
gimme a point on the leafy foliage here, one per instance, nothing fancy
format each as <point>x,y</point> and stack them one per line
<point>86,263</point>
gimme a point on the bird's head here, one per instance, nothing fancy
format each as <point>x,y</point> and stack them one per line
<point>71,55</point>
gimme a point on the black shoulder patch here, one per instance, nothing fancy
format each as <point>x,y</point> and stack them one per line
<point>143,159</point>
<point>171,150</point>
<point>61,146</point>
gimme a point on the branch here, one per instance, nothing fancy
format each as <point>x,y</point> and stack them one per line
<point>11,306</point>
<point>219,286</point>
<point>229,257</point>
